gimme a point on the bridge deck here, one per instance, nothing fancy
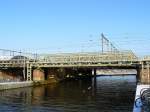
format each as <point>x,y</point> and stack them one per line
<point>76,59</point>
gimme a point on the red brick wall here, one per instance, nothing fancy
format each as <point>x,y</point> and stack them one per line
<point>38,75</point>
<point>6,75</point>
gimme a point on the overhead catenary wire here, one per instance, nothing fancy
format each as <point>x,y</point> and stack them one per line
<point>121,41</point>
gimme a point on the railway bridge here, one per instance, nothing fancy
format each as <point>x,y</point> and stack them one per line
<point>34,66</point>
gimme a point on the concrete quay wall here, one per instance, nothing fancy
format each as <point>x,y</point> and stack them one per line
<point>13,85</point>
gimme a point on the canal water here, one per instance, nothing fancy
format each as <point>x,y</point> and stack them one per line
<point>100,94</point>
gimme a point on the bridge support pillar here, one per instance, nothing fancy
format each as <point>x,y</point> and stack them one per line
<point>94,71</point>
<point>145,73</point>
<point>38,75</point>
<point>29,72</point>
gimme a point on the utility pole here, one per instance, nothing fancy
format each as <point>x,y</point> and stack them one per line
<point>102,44</point>
<point>107,45</point>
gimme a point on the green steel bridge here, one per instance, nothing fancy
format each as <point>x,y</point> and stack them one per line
<point>109,56</point>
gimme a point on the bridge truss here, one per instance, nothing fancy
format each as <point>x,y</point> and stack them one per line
<point>110,56</point>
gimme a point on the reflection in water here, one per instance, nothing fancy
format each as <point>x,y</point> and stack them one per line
<point>104,94</point>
